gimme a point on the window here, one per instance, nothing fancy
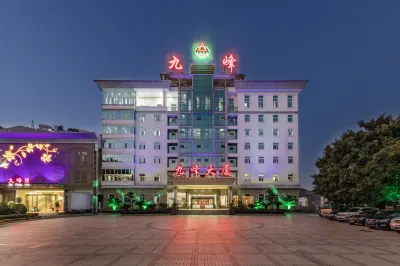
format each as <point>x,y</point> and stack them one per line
<point>247,146</point>
<point>247,132</point>
<point>246,159</point>
<point>290,132</point>
<point>260,101</point>
<point>290,146</point>
<point>261,145</point>
<point>246,118</point>
<point>290,101</point>
<point>157,177</point>
<point>290,118</point>
<point>142,160</point>
<point>157,132</point>
<point>142,146</point>
<point>141,197</point>
<point>275,101</point>
<point>77,178</point>
<point>157,118</point>
<point>275,160</point>
<point>275,146</point>
<point>261,197</point>
<point>142,177</point>
<point>291,177</point>
<point>81,158</point>
<point>84,178</point>
<point>142,132</point>
<point>142,118</point>
<point>247,177</point>
<point>157,159</point>
<point>290,159</point>
<point>275,118</point>
<point>260,132</point>
<point>157,198</point>
<point>157,145</point>
<point>261,118</point>
<point>275,132</point>
<point>275,178</point>
<point>261,159</point>
<point>247,101</point>
<point>261,177</point>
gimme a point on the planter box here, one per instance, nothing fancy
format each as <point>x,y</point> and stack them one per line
<point>18,216</point>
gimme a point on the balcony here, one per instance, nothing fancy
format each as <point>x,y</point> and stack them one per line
<point>172,121</point>
<point>117,122</point>
<point>232,121</point>
<point>232,108</point>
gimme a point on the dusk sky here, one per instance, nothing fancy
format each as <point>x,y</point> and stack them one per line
<point>51,51</point>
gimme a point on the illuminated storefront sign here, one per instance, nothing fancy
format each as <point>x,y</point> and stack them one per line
<point>174,64</point>
<point>202,51</point>
<point>16,156</point>
<point>210,171</point>
<point>19,182</point>
<point>228,62</point>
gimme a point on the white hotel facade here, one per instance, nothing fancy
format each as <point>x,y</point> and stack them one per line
<point>150,128</point>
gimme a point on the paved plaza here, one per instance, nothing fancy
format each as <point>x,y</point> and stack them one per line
<point>195,240</point>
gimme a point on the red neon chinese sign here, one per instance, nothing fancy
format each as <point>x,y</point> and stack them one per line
<point>19,181</point>
<point>210,171</point>
<point>226,170</point>
<point>195,170</point>
<point>179,171</point>
<point>175,64</point>
<point>229,62</point>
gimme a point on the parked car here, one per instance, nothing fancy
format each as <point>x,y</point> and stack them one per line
<point>385,222</point>
<point>325,209</point>
<point>344,216</point>
<point>395,224</point>
<point>361,219</point>
<point>370,221</point>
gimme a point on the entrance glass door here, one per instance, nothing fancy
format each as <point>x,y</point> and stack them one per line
<point>40,202</point>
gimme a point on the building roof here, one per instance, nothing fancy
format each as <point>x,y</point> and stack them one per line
<point>40,136</point>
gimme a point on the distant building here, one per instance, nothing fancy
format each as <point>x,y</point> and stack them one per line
<point>41,167</point>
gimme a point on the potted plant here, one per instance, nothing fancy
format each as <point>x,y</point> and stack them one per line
<point>57,204</point>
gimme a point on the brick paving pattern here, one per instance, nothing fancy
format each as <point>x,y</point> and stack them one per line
<point>111,240</point>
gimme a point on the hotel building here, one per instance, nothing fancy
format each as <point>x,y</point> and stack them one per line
<point>200,139</point>
<point>39,168</point>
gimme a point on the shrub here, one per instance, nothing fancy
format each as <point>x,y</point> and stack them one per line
<point>5,209</point>
<point>162,205</point>
<point>19,208</point>
<point>18,200</point>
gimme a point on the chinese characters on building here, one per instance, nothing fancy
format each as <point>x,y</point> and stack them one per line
<point>209,172</point>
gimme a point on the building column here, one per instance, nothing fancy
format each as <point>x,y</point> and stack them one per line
<point>175,194</point>
<point>229,196</point>
<point>66,200</point>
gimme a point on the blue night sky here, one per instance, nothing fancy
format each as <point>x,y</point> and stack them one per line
<point>51,51</point>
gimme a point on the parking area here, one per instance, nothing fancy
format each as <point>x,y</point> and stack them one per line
<point>196,240</point>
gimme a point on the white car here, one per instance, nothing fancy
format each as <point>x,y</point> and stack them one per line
<point>395,224</point>
<point>343,216</point>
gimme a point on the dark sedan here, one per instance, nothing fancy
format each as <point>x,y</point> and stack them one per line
<point>384,223</point>
<point>361,219</point>
<point>371,220</point>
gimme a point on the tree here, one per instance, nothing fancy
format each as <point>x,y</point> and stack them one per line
<point>73,129</point>
<point>272,197</point>
<point>60,128</point>
<point>357,166</point>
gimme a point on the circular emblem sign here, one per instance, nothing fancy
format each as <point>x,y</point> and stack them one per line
<point>202,51</point>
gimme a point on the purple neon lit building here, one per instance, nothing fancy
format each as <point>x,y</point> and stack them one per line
<point>63,170</point>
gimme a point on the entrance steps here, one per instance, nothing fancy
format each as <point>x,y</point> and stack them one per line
<point>203,212</point>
